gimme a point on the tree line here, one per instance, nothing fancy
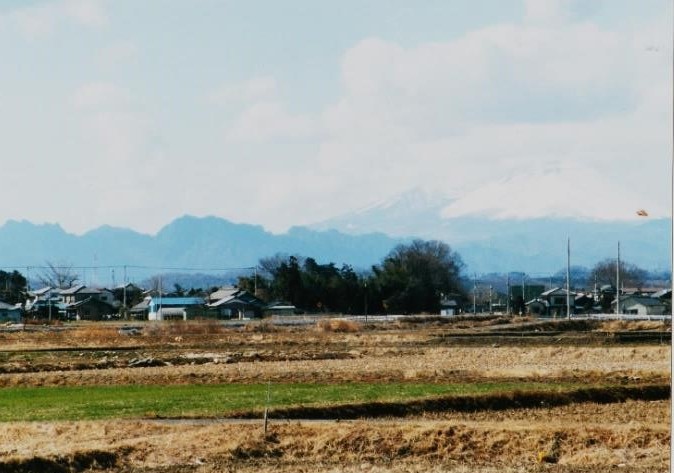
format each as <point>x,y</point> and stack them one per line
<point>412,278</point>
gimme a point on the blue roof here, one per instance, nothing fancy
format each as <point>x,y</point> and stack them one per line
<point>177,301</point>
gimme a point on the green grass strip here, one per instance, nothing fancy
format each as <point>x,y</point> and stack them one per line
<point>129,401</point>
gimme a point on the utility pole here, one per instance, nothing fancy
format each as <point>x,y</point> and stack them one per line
<point>124,292</point>
<point>365,295</point>
<point>508,294</point>
<point>491,289</point>
<point>255,281</point>
<point>617,283</point>
<point>568,278</point>
<point>159,305</point>
<point>474,293</point>
<point>524,300</point>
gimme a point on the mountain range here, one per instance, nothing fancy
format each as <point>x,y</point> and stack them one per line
<point>361,239</point>
<point>533,245</point>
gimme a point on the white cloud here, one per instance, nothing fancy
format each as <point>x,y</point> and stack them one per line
<point>252,90</point>
<point>262,116</point>
<point>116,54</point>
<point>97,95</point>
<point>41,20</point>
<point>89,13</point>
<point>269,121</point>
<point>500,101</point>
<point>546,11</point>
<point>34,21</point>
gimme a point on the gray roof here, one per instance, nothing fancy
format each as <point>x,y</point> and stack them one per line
<point>224,293</point>
<point>643,300</point>
<point>41,291</point>
<point>662,293</point>
<point>5,306</point>
<point>555,290</point>
<point>537,301</point>
<point>80,289</point>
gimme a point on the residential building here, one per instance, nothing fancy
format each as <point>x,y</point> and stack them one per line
<point>236,303</point>
<point>10,313</point>
<point>176,308</point>
<point>640,305</point>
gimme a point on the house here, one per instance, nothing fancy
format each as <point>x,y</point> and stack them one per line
<point>235,303</point>
<point>90,308</point>
<point>519,294</point>
<point>140,310</point>
<point>10,313</point>
<point>664,296</point>
<point>538,307</point>
<point>223,293</point>
<point>640,305</point>
<point>450,304</point>
<point>78,293</point>
<point>176,308</point>
<point>556,299</point>
<point>43,303</point>
<point>128,294</point>
<point>449,307</point>
<point>583,304</point>
<point>605,298</point>
<point>280,308</point>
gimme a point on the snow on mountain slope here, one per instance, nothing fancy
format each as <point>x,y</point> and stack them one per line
<point>566,192</point>
<point>409,213</point>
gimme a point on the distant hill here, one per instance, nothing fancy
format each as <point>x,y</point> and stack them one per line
<point>361,239</point>
<point>187,242</point>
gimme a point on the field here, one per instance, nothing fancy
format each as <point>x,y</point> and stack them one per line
<point>467,395</point>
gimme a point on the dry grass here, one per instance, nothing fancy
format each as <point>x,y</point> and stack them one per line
<point>176,328</point>
<point>633,325</point>
<point>588,364</point>
<point>338,326</point>
<point>475,445</point>
<point>592,438</point>
<point>263,326</point>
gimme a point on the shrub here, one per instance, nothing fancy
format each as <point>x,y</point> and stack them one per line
<point>338,325</point>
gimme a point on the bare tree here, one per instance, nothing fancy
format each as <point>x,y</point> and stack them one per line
<point>58,275</point>
<point>604,273</point>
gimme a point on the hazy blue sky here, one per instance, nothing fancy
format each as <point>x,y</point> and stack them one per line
<point>132,113</point>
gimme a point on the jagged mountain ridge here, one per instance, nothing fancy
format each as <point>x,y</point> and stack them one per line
<point>536,246</point>
<point>187,242</point>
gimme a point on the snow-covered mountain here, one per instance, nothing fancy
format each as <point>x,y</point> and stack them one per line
<point>483,227</point>
<point>555,192</point>
<point>409,213</point>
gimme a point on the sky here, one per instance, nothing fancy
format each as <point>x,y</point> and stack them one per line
<point>132,114</point>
